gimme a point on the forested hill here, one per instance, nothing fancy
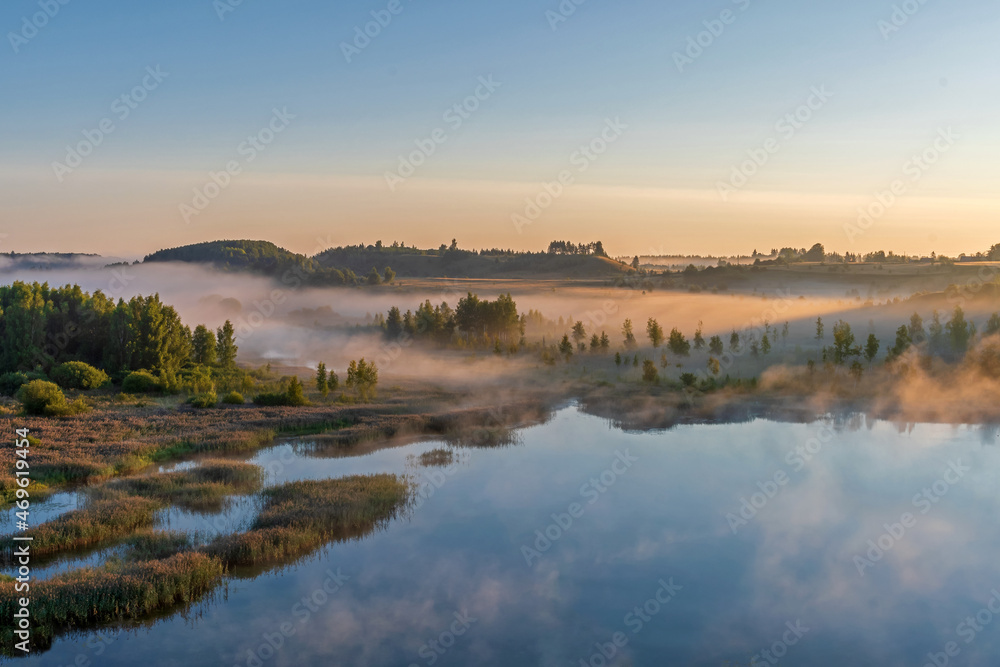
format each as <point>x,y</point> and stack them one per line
<point>377,263</point>
<point>458,263</point>
<point>258,257</point>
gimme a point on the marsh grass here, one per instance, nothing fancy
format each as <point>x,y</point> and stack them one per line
<point>302,516</point>
<point>101,521</point>
<point>201,489</point>
<point>114,592</point>
<point>436,458</point>
<point>156,545</point>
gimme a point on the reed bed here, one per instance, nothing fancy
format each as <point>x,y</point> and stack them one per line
<point>301,516</point>
<point>115,592</point>
<point>101,521</point>
<point>203,488</point>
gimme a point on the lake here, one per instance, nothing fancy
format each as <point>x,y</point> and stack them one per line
<point>840,542</point>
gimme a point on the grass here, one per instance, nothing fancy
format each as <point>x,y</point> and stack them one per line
<point>301,516</point>
<point>203,488</point>
<point>115,592</point>
<point>101,521</point>
<point>436,458</point>
<point>155,545</point>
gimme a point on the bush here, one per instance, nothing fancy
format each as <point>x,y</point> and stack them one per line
<point>140,382</point>
<point>11,382</point>
<point>271,399</point>
<point>78,375</point>
<point>207,399</point>
<point>233,398</point>
<point>293,397</point>
<point>42,398</point>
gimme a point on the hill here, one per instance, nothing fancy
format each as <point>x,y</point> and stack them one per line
<point>353,264</point>
<point>485,264</point>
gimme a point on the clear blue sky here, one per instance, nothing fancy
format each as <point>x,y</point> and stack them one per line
<point>324,176</point>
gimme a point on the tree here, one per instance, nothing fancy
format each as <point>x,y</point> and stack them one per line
<point>843,342</point>
<point>393,324</point>
<point>635,262</point>
<point>819,328</point>
<point>618,358</point>
<point>993,324</point>
<point>374,277</point>
<point>678,344</point>
<point>321,382</point>
<point>784,332</point>
<point>225,345</point>
<point>566,347</point>
<point>595,343</point>
<point>388,275</point>
<point>915,331</point>
<point>815,254</point>
<point>765,345</point>
<point>629,335</point>
<point>454,245</point>
<point>714,367</point>
<point>296,394</point>
<point>203,346</point>
<point>734,342</point>
<point>699,339</point>
<point>649,372</point>
<point>579,333</point>
<point>605,342</point>
<point>655,332</point>
<point>362,376</point>
<point>857,370</point>
<point>959,331</point>
<point>715,345</point>
<point>936,333</point>
<point>903,342</point>
<point>872,348</point>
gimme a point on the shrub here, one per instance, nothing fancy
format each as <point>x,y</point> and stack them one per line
<point>294,396</point>
<point>233,398</point>
<point>11,382</point>
<point>140,382</point>
<point>271,399</point>
<point>41,398</point>
<point>208,399</point>
<point>78,375</point>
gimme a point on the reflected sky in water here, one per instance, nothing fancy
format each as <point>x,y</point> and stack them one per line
<point>664,517</point>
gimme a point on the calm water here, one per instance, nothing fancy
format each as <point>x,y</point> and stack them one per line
<point>652,546</point>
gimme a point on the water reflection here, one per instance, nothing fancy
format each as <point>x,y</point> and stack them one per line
<point>819,495</point>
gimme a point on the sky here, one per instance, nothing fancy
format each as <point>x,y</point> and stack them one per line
<point>656,127</point>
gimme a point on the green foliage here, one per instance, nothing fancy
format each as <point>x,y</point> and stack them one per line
<point>629,335</point>
<point>140,382</point>
<point>699,339</point>
<point>649,372</point>
<point>872,347</point>
<point>819,328</point>
<point>843,342</point>
<point>293,396</point>
<point>296,394</point>
<point>734,342</point>
<point>11,382</point>
<point>655,332</point>
<point>46,398</point>
<point>993,324</point>
<point>715,345</point>
<point>388,275</point>
<point>374,277</point>
<point>233,398</point>
<point>362,376</point>
<point>566,347</point>
<point>322,385</point>
<point>203,346</point>
<point>618,358</point>
<point>678,344</point>
<point>714,367</point>
<point>959,332</point>
<point>225,345</point>
<point>78,375</point>
<point>208,399</point>
<point>480,319</point>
